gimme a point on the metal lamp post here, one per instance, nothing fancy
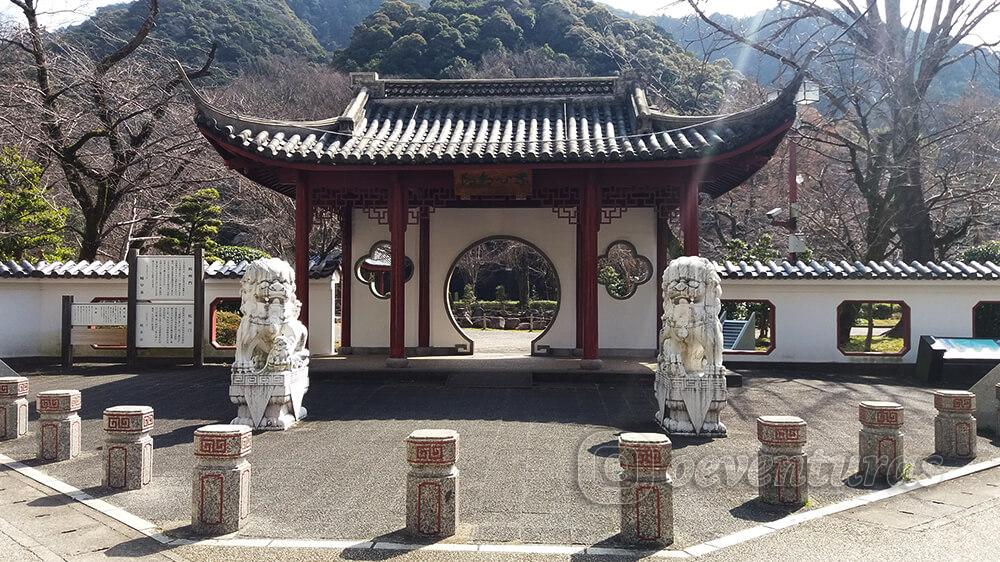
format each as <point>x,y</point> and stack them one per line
<point>808,94</point>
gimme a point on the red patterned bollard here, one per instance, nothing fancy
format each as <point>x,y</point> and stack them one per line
<point>647,492</point>
<point>59,424</point>
<point>220,490</point>
<point>13,407</point>
<point>128,447</point>
<point>880,441</point>
<point>432,483</point>
<point>955,424</point>
<point>782,466</point>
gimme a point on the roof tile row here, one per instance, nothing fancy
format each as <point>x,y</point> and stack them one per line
<point>899,270</point>
<point>119,269</point>
<point>858,270</point>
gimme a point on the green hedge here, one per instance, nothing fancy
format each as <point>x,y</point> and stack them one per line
<point>237,254</point>
<point>989,251</point>
<point>226,324</point>
<point>509,306</point>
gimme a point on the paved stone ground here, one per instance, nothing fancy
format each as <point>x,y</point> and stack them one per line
<point>956,520</point>
<point>537,461</point>
<point>38,524</point>
<point>501,341</point>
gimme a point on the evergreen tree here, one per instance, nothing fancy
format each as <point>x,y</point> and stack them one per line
<point>195,222</point>
<point>30,226</point>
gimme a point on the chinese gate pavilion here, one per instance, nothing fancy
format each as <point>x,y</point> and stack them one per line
<point>568,165</point>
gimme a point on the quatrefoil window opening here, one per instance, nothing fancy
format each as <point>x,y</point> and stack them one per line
<point>375,269</point>
<point>621,269</point>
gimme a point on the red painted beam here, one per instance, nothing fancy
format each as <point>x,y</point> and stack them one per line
<point>424,281</point>
<point>398,211</point>
<point>590,222</point>
<point>303,225</point>
<point>346,274</point>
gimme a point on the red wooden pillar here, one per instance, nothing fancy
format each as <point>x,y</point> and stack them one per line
<point>346,276</point>
<point>398,211</point>
<point>589,217</point>
<point>424,282</point>
<point>689,218</point>
<point>303,225</point>
<point>662,260</point>
<point>579,284</point>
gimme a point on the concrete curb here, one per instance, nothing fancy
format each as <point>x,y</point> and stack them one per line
<point>152,531</point>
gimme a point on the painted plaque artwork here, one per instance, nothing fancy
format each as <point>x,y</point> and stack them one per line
<point>483,182</point>
<point>100,314</point>
<point>164,325</point>
<point>165,278</point>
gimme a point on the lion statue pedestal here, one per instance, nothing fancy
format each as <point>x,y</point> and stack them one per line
<point>690,384</point>
<point>271,371</point>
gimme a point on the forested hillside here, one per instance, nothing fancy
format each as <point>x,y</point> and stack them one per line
<point>245,31</point>
<point>441,38</point>
<point>333,21</point>
<point>452,36</point>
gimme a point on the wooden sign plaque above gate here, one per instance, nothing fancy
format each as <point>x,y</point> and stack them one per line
<point>492,182</point>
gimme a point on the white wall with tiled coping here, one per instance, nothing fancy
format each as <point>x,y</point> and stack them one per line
<point>805,310</point>
<point>31,314</point>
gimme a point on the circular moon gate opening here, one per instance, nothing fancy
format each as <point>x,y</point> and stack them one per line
<point>502,294</point>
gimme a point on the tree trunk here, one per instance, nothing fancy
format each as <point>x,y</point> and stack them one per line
<point>90,238</point>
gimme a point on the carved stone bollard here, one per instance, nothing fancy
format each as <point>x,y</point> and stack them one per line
<point>647,492</point>
<point>220,488</point>
<point>782,466</point>
<point>128,447</point>
<point>432,483</point>
<point>880,441</point>
<point>13,407</point>
<point>59,424</point>
<point>955,425</point>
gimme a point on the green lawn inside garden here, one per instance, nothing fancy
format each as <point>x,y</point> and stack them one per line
<point>880,344</point>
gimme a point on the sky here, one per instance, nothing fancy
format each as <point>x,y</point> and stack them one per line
<point>65,12</point>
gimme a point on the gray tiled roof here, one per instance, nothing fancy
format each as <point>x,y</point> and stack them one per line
<point>493,121</point>
<point>899,270</point>
<point>119,269</point>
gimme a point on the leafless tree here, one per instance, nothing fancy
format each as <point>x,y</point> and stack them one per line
<point>875,65</point>
<point>535,63</point>
<point>291,89</point>
<point>104,124</point>
<point>477,260</point>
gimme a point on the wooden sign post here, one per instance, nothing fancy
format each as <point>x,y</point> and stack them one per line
<point>167,304</point>
<point>165,309</point>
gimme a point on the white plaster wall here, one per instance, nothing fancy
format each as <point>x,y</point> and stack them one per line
<point>454,230</point>
<point>806,321</point>
<point>629,324</point>
<point>321,316</point>
<point>805,311</point>
<point>31,314</point>
<point>370,315</point>
<point>31,322</point>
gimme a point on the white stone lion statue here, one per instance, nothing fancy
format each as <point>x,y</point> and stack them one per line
<point>270,371</point>
<point>690,384</point>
